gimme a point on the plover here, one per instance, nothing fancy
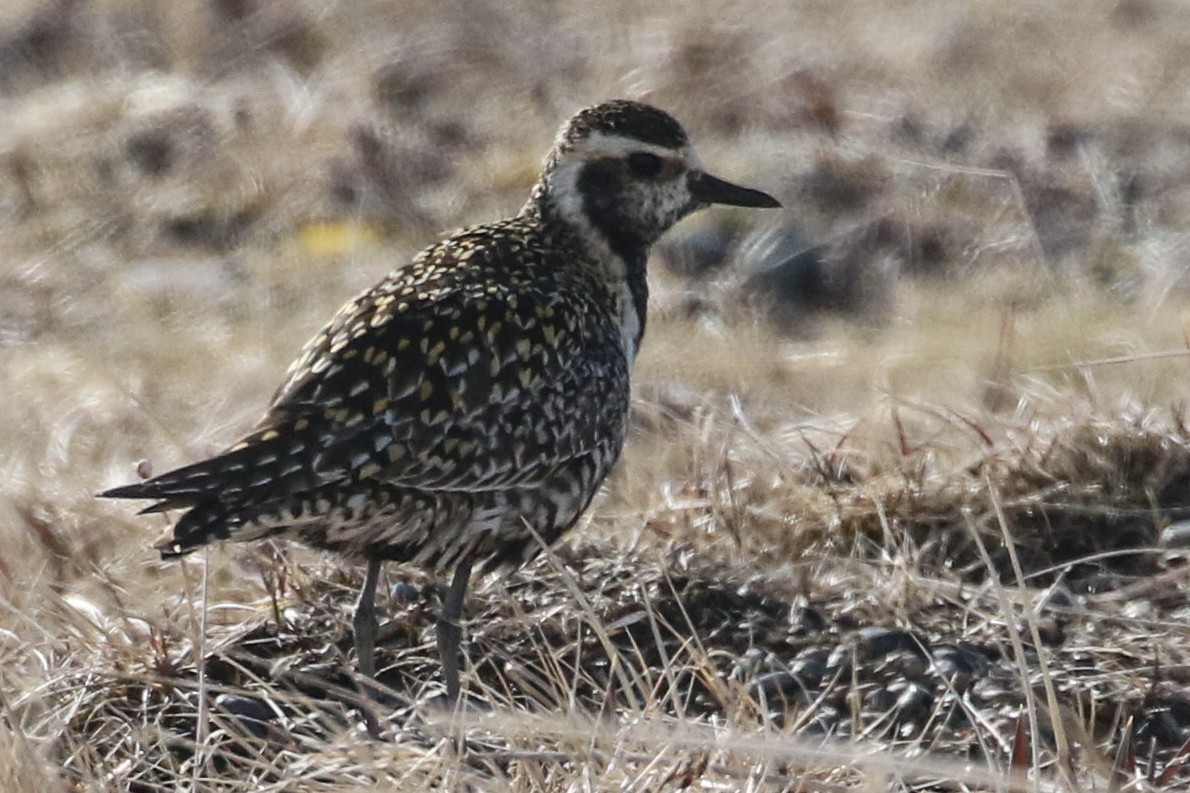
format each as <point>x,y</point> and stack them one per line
<point>466,408</point>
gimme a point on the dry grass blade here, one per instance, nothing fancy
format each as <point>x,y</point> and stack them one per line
<point>1173,766</point>
<point>1021,758</point>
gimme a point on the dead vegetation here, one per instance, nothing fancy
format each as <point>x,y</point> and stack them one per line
<point>905,505</point>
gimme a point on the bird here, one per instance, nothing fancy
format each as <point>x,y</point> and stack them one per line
<point>460,415</point>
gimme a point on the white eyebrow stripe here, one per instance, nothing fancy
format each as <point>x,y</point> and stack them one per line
<point>599,144</point>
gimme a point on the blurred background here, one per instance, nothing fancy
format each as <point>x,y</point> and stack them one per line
<point>982,257</point>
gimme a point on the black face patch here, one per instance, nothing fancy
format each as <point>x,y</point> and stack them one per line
<point>630,119</point>
<point>601,183</point>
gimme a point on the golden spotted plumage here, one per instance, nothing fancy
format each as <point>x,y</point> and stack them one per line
<point>474,398</point>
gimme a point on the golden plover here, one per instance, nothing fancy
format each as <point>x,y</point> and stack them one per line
<point>474,398</point>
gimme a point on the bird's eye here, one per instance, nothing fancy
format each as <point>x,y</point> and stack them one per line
<point>643,163</point>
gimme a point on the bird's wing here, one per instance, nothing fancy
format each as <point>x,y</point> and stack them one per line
<point>457,373</point>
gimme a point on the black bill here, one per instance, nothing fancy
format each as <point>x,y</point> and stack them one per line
<point>713,190</point>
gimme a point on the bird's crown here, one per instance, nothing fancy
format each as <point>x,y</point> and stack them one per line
<point>625,119</point>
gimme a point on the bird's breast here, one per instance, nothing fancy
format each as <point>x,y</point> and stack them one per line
<point>632,301</point>
<point>631,321</point>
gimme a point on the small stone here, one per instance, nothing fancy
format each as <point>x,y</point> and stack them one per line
<point>914,702</point>
<point>1175,535</point>
<point>404,593</point>
<point>1159,725</point>
<point>810,671</point>
<point>880,700</point>
<point>958,666</point>
<point>839,662</point>
<point>251,714</point>
<point>824,723</point>
<point>879,642</point>
<point>911,665</point>
<point>780,689</point>
<point>1049,629</point>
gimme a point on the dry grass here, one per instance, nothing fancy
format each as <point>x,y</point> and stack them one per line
<point>907,514</point>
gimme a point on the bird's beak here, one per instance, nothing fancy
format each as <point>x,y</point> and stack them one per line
<point>709,189</point>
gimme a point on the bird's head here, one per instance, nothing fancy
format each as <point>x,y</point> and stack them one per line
<point>627,172</point>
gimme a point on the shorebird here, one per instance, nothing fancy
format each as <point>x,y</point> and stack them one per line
<point>464,410</point>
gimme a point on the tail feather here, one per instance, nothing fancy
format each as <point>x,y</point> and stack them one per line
<point>224,494</point>
<point>160,506</point>
<point>199,526</point>
<point>209,522</point>
<point>212,520</point>
<point>266,464</point>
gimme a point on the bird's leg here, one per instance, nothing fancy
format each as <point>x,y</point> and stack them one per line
<point>449,630</point>
<point>364,626</point>
<point>364,622</point>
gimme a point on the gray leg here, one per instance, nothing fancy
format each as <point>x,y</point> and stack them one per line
<point>364,622</point>
<point>450,632</point>
<point>364,626</point>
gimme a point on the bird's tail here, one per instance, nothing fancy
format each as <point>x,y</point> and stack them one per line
<point>263,467</point>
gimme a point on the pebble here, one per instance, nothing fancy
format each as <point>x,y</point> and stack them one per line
<point>250,713</point>
<point>914,702</point>
<point>1175,535</point>
<point>781,688</point>
<point>404,593</point>
<point>880,700</point>
<point>911,665</point>
<point>879,642</point>
<point>959,667</point>
<point>810,671</point>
